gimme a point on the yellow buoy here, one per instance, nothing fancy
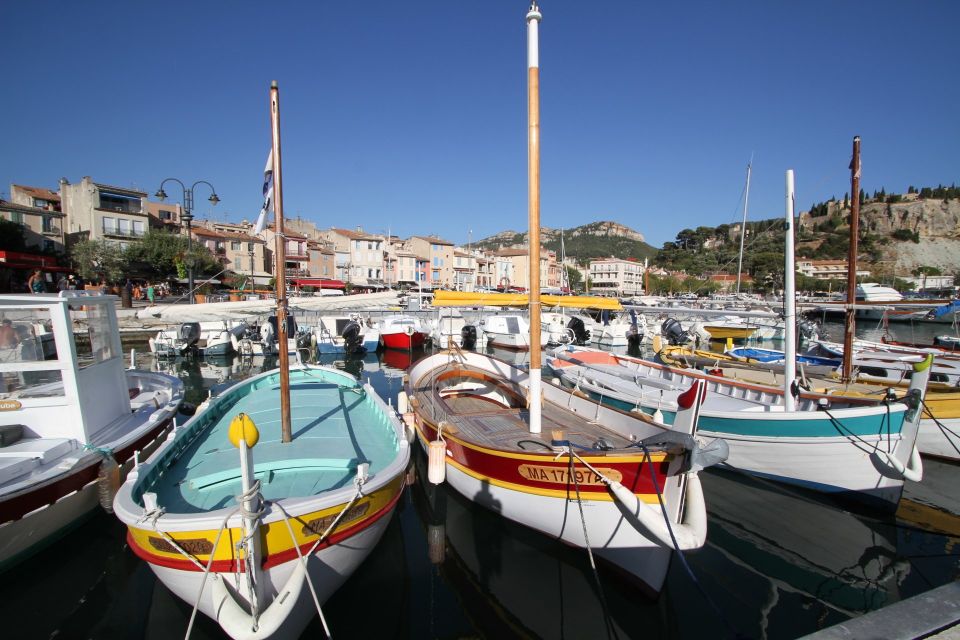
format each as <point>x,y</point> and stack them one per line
<point>242,428</point>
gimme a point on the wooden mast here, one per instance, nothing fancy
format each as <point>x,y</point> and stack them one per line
<point>533,207</point>
<point>850,325</point>
<point>286,429</point>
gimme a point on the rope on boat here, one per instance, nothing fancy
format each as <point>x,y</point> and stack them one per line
<point>947,431</point>
<point>586,538</point>
<point>206,572</point>
<point>683,559</point>
<point>252,516</point>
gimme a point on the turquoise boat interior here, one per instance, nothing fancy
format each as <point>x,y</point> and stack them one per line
<point>336,427</point>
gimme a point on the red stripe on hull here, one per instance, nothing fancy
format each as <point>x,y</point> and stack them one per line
<point>234,566</point>
<point>635,476</point>
<point>403,341</point>
<point>32,498</point>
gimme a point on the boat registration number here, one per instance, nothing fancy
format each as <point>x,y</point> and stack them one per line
<point>561,475</point>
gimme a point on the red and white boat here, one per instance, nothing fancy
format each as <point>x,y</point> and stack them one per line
<point>402,332</point>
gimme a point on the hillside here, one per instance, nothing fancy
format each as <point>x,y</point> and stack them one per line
<point>898,234</point>
<point>594,240</point>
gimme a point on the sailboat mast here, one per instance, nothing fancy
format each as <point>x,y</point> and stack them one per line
<point>533,196</point>
<point>850,325</point>
<point>743,229</point>
<point>789,303</point>
<point>286,429</point>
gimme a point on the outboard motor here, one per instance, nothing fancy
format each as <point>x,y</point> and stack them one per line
<point>352,339</point>
<point>674,332</point>
<point>188,336</point>
<point>581,335</point>
<point>808,329</point>
<point>634,333</point>
<point>468,336</point>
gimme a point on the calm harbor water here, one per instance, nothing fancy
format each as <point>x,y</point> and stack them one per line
<point>778,562</point>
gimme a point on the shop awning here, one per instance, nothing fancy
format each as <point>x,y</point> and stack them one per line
<point>322,283</point>
<point>18,260</point>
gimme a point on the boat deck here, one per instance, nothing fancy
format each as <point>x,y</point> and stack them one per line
<point>335,428</point>
<point>487,423</point>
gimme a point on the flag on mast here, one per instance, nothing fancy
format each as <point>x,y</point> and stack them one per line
<point>267,195</point>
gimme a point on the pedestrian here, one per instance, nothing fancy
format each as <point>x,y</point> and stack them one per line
<point>36,283</point>
<point>71,283</point>
<point>62,283</point>
<point>150,293</point>
<point>8,335</point>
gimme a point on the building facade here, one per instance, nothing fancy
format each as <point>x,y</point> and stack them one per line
<point>96,211</point>
<point>439,253</point>
<point>616,277</point>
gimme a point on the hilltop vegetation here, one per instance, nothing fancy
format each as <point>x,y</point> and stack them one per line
<point>594,240</point>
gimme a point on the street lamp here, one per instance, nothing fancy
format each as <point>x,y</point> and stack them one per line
<point>250,252</point>
<point>187,218</point>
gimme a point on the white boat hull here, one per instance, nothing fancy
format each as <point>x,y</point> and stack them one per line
<point>933,441</point>
<point>328,569</point>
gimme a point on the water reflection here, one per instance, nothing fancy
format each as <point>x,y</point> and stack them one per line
<point>778,562</point>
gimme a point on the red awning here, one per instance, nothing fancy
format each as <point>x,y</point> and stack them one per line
<point>17,260</point>
<point>323,283</point>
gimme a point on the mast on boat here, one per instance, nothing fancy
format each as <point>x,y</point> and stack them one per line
<point>533,198</point>
<point>789,303</point>
<point>850,325</point>
<point>286,429</point>
<point>743,229</point>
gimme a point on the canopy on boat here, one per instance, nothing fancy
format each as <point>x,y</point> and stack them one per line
<point>468,299</point>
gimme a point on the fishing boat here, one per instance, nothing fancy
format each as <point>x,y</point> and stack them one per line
<point>70,420</point>
<point>613,482</point>
<point>729,330</point>
<point>774,356</point>
<point>854,446</point>
<point>261,505</point>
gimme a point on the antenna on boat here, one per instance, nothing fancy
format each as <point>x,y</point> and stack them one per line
<point>850,324</point>
<point>789,303</point>
<point>533,198</point>
<point>286,429</point>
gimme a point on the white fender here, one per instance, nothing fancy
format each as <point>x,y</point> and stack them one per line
<point>235,342</point>
<point>402,405</point>
<point>914,469</point>
<point>437,462</point>
<point>238,624</point>
<point>691,533</point>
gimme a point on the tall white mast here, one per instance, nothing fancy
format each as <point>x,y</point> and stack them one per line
<point>743,229</point>
<point>789,304</point>
<point>533,196</point>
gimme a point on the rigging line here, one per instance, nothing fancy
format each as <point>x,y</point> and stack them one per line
<point>586,539</point>
<point>947,431</point>
<point>683,559</point>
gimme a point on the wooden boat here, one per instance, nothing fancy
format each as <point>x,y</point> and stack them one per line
<point>857,446</point>
<point>613,482</point>
<point>257,539</point>
<point>475,407</point>
<point>323,500</point>
<point>71,417</point>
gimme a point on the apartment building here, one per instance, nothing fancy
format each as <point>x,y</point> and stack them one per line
<point>96,211</point>
<point>512,269</point>
<point>464,270</point>
<point>238,252</point>
<point>439,253</point>
<point>360,256</point>
<point>616,277</point>
<point>38,212</point>
<point>826,269</point>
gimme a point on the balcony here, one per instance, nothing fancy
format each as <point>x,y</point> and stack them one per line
<point>51,231</point>
<point>123,233</point>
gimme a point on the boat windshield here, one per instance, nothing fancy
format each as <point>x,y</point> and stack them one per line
<point>94,344</point>
<point>26,341</point>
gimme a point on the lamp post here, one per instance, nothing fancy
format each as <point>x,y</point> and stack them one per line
<point>250,252</point>
<point>187,218</point>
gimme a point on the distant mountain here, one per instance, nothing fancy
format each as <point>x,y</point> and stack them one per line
<point>594,240</point>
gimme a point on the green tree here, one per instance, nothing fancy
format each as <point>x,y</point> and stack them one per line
<point>574,278</point>
<point>161,254</point>
<point>11,236</point>
<point>98,260</point>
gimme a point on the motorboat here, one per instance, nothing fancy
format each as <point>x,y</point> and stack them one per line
<point>345,334</point>
<point>214,338</point>
<point>875,292</point>
<point>402,332</point>
<point>72,419</point>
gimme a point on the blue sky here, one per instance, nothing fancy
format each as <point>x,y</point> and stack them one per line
<point>411,116</point>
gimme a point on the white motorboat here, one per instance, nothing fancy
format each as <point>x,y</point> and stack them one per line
<point>215,338</point>
<point>72,420</point>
